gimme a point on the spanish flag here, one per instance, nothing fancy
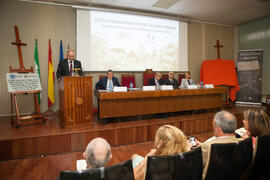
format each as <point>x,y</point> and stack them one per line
<point>51,77</point>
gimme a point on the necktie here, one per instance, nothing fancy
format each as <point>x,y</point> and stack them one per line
<point>110,86</point>
<point>188,82</point>
<point>70,68</point>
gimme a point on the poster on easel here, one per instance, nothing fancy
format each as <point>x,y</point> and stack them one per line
<point>249,72</point>
<point>23,82</point>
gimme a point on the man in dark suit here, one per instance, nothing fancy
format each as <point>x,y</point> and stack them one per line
<point>67,66</point>
<point>105,82</point>
<point>153,81</point>
<point>171,80</point>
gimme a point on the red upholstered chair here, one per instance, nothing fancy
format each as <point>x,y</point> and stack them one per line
<point>95,109</point>
<point>148,74</point>
<point>127,78</point>
<point>165,76</point>
<point>101,76</point>
<point>180,77</point>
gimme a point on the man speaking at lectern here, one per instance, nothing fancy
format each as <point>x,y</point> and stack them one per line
<point>66,66</point>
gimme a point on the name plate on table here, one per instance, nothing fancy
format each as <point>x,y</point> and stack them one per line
<point>120,89</point>
<point>192,86</point>
<point>208,86</point>
<point>166,87</point>
<point>149,88</point>
<point>23,82</point>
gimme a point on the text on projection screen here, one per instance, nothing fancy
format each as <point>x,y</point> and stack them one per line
<point>127,42</point>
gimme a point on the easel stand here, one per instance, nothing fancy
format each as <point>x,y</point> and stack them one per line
<point>37,117</point>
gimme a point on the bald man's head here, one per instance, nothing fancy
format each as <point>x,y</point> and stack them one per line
<point>71,54</point>
<point>226,121</point>
<point>98,153</point>
<point>171,74</point>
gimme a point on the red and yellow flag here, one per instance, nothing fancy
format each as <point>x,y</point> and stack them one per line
<point>51,77</point>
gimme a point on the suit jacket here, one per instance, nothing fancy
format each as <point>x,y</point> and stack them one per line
<point>152,82</point>
<point>175,83</point>
<point>102,83</point>
<point>184,82</point>
<point>206,149</point>
<point>63,68</point>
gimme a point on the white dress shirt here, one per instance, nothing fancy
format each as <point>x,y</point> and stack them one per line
<point>108,84</point>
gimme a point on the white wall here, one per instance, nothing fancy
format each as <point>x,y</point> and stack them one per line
<point>59,23</point>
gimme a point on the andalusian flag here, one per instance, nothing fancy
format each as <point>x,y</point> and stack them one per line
<point>37,67</point>
<point>51,77</point>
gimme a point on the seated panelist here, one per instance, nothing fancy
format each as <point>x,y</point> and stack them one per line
<point>105,82</point>
<point>66,66</point>
<point>186,81</point>
<point>153,81</point>
<point>171,80</point>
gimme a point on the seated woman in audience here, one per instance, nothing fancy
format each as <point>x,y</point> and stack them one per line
<point>169,140</point>
<point>256,122</point>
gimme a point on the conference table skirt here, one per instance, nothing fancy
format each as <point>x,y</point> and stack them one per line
<point>132,103</point>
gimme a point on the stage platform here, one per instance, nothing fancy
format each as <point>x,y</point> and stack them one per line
<point>50,138</point>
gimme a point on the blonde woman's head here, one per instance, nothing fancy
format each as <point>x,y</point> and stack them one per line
<point>170,140</point>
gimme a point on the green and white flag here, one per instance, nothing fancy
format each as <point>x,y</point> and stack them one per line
<point>37,69</point>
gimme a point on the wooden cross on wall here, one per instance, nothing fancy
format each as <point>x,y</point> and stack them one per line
<point>18,43</point>
<point>218,46</point>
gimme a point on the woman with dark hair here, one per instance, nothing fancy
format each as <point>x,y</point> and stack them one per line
<point>186,81</point>
<point>257,123</point>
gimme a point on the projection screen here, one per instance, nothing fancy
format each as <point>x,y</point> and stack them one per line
<point>130,42</point>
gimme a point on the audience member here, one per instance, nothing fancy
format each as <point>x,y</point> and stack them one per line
<point>97,153</point>
<point>224,125</point>
<point>157,79</point>
<point>169,140</point>
<point>186,81</point>
<point>107,81</point>
<point>171,80</point>
<point>256,122</point>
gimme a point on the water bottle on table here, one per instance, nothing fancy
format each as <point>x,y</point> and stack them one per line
<point>131,86</point>
<point>157,86</point>
<point>201,84</point>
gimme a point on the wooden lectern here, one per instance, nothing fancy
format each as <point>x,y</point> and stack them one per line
<point>75,100</point>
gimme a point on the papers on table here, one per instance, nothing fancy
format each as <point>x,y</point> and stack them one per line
<point>166,87</point>
<point>81,164</point>
<point>241,131</point>
<point>208,86</point>
<point>120,89</point>
<point>149,88</point>
<point>192,86</point>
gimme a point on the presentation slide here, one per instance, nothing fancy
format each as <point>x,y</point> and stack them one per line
<point>128,42</point>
